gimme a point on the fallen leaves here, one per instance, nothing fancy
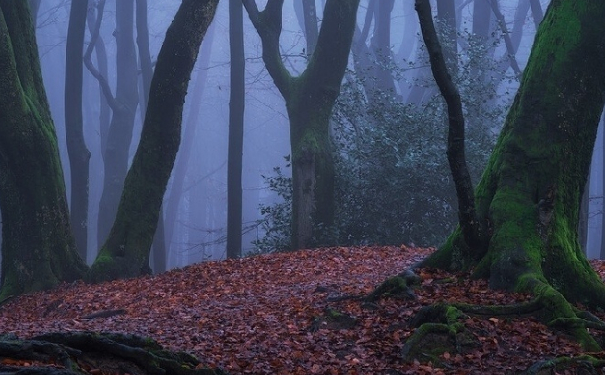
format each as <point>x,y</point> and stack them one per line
<point>253,316</point>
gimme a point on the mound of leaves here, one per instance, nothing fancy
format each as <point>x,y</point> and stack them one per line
<point>292,313</point>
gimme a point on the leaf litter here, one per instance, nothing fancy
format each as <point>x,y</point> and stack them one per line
<point>254,315</point>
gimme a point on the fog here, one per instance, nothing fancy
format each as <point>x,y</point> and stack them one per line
<point>199,227</point>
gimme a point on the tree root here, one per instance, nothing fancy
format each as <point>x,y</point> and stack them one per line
<point>71,353</point>
<point>579,365</point>
<point>397,287</point>
<point>440,327</point>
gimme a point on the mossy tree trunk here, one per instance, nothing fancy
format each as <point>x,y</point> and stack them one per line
<point>309,100</point>
<point>530,193</point>
<point>38,248</point>
<point>126,251</point>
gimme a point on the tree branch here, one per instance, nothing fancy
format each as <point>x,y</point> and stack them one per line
<point>333,43</point>
<point>510,49</point>
<point>268,24</point>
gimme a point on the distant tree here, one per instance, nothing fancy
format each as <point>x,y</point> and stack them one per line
<point>79,155</point>
<point>123,105</point>
<point>309,101</point>
<point>97,44</point>
<point>236,130</point>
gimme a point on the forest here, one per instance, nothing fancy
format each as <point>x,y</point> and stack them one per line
<point>356,186</point>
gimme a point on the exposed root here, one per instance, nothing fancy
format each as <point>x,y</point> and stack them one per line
<point>82,352</point>
<point>440,327</point>
<point>578,365</point>
<point>397,287</point>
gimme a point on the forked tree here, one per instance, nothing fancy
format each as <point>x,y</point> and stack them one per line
<point>309,98</point>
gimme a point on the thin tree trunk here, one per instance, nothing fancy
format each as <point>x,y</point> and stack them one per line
<point>79,156</point>
<point>124,106</point>
<point>236,130</point>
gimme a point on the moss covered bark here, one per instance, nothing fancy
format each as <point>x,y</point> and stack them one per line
<point>85,353</point>
<point>530,193</point>
<point>38,249</point>
<point>126,251</point>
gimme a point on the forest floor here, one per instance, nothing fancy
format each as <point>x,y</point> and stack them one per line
<point>262,315</point>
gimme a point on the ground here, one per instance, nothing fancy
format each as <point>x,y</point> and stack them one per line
<point>292,313</point>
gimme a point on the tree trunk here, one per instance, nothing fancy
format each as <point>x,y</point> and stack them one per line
<point>530,193</point>
<point>236,130</point>
<point>309,101</point>
<point>79,155</point>
<point>38,249</point>
<point>126,251</point>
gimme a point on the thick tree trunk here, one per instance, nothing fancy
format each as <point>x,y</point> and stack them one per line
<point>79,155</point>
<point>312,165</point>
<point>126,251</point>
<point>38,249</point>
<point>531,190</point>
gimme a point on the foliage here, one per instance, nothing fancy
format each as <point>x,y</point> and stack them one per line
<point>254,315</point>
<point>394,183</point>
<point>277,217</point>
<point>392,177</point>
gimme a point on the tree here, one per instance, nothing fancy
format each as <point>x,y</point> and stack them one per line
<point>38,248</point>
<point>123,105</point>
<point>79,155</point>
<point>309,101</point>
<point>236,130</point>
<point>126,251</point>
<point>520,230</point>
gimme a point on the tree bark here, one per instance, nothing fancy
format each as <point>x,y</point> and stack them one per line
<point>236,130</point>
<point>309,100</point>
<point>38,249</point>
<point>79,155</point>
<point>531,190</point>
<point>126,251</point>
